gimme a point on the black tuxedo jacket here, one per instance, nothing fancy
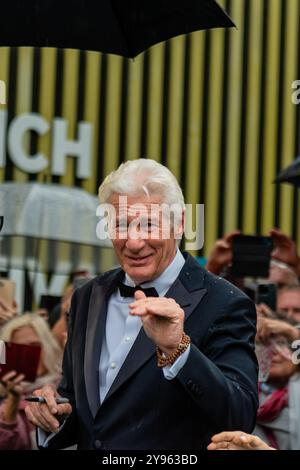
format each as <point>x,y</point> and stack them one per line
<point>215,391</point>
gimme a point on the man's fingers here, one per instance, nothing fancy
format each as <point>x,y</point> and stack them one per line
<point>49,394</point>
<point>64,409</point>
<point>139,295</point>
<point>225,436</point>
<point>38,419</point>
<point>42,412</point>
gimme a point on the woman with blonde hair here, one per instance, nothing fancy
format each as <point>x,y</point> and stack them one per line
<point>28,329</point>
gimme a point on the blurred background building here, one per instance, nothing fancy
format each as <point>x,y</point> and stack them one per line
<point>215,107</point>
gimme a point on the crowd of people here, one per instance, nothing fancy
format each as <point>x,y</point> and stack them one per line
<point>278,415</point>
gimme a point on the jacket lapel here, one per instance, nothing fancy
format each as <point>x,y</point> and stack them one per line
<point>95,332</point>
<point>188,298</point>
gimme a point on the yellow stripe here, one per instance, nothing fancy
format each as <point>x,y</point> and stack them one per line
<point>154,106</point>
<point>23,105</point>
<point>234,118</point>
<point>271,116</point>
<point>69,106</point>
<point>289,123</point>
<point>213,139</point>
<point>133,118</point>
<point>112,118</point>
<point>46,105</point>
<point>112,131</point>
<point>24,96</point>
<point>91,115</point>
<point>91,111</point>
<point>253,109</point>
<point>194,137</point>
<point>175,104</point>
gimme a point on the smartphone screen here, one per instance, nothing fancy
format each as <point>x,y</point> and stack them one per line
<point>251,256</point>
<point>266,294</point>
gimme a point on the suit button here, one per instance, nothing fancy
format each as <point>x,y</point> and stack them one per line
<point>190,384</point>
<point>97,444</point>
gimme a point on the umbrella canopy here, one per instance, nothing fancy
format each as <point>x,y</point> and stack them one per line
<point>49,226</point>
<point>49,211</point>
<point>291,174</point>
<point>112,26</point>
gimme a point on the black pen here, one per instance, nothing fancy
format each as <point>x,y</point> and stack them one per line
<point>59,401</point>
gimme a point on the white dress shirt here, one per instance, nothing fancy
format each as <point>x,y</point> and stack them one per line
<point>122,328</point>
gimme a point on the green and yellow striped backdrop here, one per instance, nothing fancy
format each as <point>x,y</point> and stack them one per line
<point>214,106</point>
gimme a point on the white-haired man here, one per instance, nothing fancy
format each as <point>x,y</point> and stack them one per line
<point>160,353</point>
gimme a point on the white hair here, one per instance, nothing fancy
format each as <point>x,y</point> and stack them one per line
<point>52,354</point>
<point>142,177</point>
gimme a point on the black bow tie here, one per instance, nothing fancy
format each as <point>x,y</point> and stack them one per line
<point>128,291</point>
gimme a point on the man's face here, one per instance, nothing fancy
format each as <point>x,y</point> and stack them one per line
<point>289,303</point>
<point>140,241</point>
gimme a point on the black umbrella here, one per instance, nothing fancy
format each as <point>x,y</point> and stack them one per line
<point>123,27</point>
<point>291,174</point>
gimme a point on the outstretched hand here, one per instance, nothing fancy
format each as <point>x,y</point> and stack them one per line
<point>162,320</point>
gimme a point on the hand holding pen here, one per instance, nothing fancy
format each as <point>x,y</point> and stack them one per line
<point>46,409</point>
<point>38,399</point>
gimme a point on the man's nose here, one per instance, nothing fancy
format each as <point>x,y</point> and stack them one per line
<point>135,242</point>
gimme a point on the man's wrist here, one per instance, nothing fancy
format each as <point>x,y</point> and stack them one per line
<point>169,359</point>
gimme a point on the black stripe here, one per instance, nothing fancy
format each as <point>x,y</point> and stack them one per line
<point>224,130</point>
<point>80,103</point>
<point>36,82</point>
<point>6,245</point>
<point>165,112</point>
<point>102,113</point>
<point>58,93</point>
<point>11,103</point>
<point>262,117</point>
<point>145,106</point>
<point>123,113</point>
<point>205,110</point>
<point>244,116</point>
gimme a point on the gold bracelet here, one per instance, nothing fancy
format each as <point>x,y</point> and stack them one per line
<point>163,360</point>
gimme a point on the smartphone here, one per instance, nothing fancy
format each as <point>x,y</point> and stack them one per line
<point>266,294</point>
<point>22,358</point>
<point>7,291</point>
<point>251,256</point>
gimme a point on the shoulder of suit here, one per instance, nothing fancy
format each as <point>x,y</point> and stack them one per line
<point>222,286</point>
